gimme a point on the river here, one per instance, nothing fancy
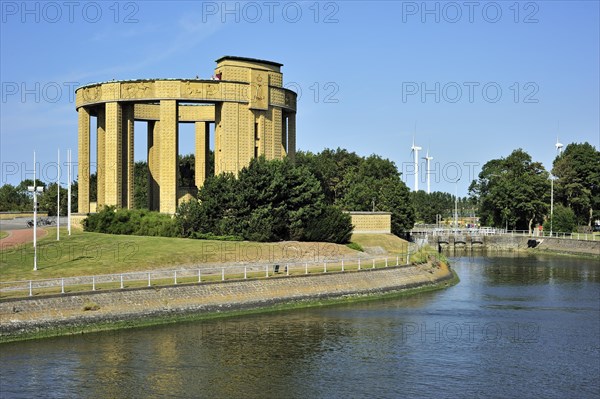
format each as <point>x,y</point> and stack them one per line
<point>515,327</point>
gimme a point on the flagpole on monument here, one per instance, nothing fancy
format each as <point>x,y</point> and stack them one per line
<point>58,196</point>
<point>69,191</point>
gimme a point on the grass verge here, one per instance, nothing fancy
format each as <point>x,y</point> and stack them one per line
<point>390,243</point>
<point>86,254</point>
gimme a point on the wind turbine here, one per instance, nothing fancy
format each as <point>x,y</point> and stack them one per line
<point>428,160</point>
<point>415,150</point>
<point>558,146</point>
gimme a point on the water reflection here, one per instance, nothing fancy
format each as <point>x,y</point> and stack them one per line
<point>519,268</point>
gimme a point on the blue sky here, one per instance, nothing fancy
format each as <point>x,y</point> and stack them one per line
<point>470,80</point>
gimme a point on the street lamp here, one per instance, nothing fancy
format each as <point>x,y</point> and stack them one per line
<point>456,205</point>
<point>35,189</point>
<point>69,191</point>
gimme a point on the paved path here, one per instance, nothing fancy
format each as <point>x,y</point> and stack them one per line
<point>16,237</point>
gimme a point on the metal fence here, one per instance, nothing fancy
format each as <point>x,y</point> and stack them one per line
<point>544,234</point>
<point>486,231</point>
<point>155,278</point>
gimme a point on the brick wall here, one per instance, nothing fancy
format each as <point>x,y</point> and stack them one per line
<point>372,222</point>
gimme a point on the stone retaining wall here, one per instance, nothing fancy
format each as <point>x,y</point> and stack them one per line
<point>21,317</point>
<point>546,244</point>
<point>569,246</point>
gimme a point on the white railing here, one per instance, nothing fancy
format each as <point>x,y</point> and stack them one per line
<point>484,231</point>
<point>156,278</point>
<point>545,234</point>
<point>461,231</point>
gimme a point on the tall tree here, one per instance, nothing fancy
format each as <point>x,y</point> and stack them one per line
<point>269,201</point>
<point>512,191</point>
<point>218,199</point>
<point>14,199</point>
<point>355,183</point>
<point>140,185</point>
<point>429,206</point>
<point>376,185</point>
<point>48,200</point>
<point>187,170</point>
<point>578,183</point>
<point>330,167</point>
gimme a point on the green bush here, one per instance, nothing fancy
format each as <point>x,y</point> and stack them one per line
<point>564,221</point>
<point>332,225</point>
<point>131,222</point>
<point>210,236</point>
<point>427,254</point>
<point>355,246</point>
<point>93,306</point>
<point>269,201</point>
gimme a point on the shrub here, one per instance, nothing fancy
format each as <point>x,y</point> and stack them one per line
<point>131,222</point>
<point>210,236</point>
<point>564,221</point>
<point>332,226</point>
<point>427,254</point>
<point>355,246</point>
<point>90,306</point>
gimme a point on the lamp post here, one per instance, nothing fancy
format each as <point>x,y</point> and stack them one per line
<point>456,205</point>
<point>551,202</point>
<point>35,189</point>
<point>69,191</point>
<point>58,196</point>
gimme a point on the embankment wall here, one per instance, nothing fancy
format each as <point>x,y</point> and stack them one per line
<point>38,316</point>
<point>545,244</point>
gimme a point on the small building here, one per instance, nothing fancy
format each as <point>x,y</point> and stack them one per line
<point>371,222</point>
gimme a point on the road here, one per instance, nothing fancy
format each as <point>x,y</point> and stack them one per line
<point>21,223</point>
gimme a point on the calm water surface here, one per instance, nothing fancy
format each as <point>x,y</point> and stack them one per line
<point>515,327</point>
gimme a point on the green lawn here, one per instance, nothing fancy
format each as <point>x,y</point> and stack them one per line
<point>84,254</point>
<point>390,243</point>
<point>3,234</point>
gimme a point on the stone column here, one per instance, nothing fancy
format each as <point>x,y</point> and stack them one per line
<point>83,167</point>
<point>227,137</point>
<point>259,120</point>
<point>291,135</point>
<point>113,155</point>
<point>100,156</point>
<point>168,156</point>
<point>153,165</point>
<point>127,156</point>
<point>202,148</point>
<point>278,147</point>
<point>268,142</point>
<point>284,133</point>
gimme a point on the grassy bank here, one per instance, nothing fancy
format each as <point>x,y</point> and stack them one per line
<point>387,242</point>
<point>85,254</point>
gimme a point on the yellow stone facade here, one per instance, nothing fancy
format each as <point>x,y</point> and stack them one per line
<point>252,113</point>
<point>371,222</point>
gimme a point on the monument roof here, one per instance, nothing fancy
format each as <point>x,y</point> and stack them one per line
<point>236,58</point>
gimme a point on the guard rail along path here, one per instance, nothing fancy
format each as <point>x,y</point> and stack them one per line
<point>491,231</point>
<point>155,278</point>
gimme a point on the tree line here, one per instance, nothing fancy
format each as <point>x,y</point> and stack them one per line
<point>515,191</point>
<point>304,199</point>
